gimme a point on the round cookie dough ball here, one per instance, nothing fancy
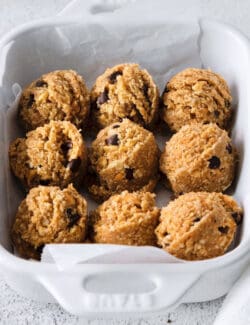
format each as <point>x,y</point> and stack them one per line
<point>199,158</point>
<point>53,154</point>
<point>49,215</point>
<point>59,95</point>
<point>126,219</point>
<point>196,95</point>
<point>124,156</point>
<point>198,225</point>
<point>124,91</point>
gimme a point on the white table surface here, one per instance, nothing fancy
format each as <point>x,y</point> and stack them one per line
<point>15,309</point>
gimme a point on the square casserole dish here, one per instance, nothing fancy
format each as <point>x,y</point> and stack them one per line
<point>120,289</point>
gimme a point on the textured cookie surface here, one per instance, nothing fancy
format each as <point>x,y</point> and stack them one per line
<point>49,215</point>
<point>196,95</point>
<point>124,156</point>
<point>199,158</point>
<point>53,154</point>
<point>59,95</point>
<point>198,225</point>
<point>124,91</point>
<point>126,219</point>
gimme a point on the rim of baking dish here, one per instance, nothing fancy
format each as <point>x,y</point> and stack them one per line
<point>14,263</point>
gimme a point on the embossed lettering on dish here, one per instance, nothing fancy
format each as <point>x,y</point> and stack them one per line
<point>119,301</point>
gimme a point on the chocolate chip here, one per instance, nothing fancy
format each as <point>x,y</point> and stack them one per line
<point>41,83</point>
<point>216,113</point>
<point>114,75</point>
<point>197,219</point>
<point>214,162</point>
<point>227,103</point>
<point>31,100</point>
<point>74,164</point>
<point>40,248</point>
<point>116,126</point>
<point>192,115</point>
<point>113,140</point>
<point>237,217</point>
<point>165,234</point>
<point>44,182</point>
<point>229,148</point>
<point>129,172</point>
<point>223,230</point>
<point>103,97</point>
<point>66,146</point>
<point>73,217</point>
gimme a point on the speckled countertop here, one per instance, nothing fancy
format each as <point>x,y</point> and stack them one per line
<point>15,309</point>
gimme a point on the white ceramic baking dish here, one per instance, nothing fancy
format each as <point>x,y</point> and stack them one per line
<point>122,289</point>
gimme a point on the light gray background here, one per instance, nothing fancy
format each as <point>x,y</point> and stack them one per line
<point>18,310</point>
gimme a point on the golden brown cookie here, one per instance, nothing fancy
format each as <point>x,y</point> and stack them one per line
<point>124,91</point>
<point>198,225</point>
<point>49,215</point>
<point>124,156</point>
<point>126,219</point>
<point>59,95</point>
<point>199,158</point>
<point>53,154</point>
<point>196,95</point>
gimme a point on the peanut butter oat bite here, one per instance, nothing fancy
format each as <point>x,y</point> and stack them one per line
<point>59,95</point>
<point>124,91</point>
<point>49,215</point>
<point>53,154</point>
<point>124,156</point>
<point>198,225</point>
<point>126,219</point>
<point>199,158</point>
<point>196,95</point>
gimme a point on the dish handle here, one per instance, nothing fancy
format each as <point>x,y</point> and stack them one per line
<point>138,292</point>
